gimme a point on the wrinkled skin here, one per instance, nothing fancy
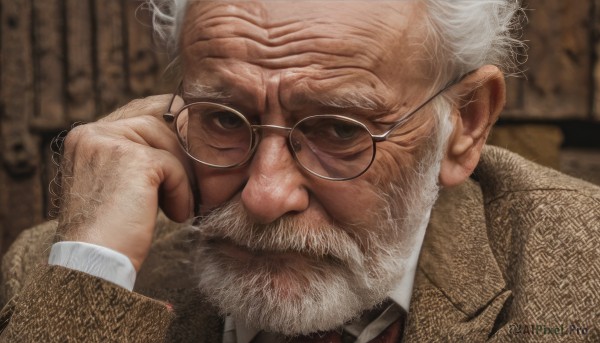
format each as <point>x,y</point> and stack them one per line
<point>276,62</point>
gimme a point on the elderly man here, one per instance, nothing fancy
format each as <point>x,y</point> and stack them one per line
<point>310,140</point>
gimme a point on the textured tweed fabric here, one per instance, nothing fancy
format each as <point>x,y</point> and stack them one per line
<point>511,256</point>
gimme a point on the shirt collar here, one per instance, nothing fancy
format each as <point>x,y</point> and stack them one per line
<point>401,294</point>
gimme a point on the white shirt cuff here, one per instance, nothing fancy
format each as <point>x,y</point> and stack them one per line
<point>95,260</point>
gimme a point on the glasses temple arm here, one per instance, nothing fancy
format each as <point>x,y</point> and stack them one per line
<point>383,136</point>
<point>168,115</point>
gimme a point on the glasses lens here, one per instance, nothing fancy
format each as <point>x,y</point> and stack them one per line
<point>214,135</point>
<point>332,147</point>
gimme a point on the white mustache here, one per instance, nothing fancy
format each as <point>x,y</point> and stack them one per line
<point>286,234</point>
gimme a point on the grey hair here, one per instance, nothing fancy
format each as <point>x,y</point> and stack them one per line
<point>464,35</point>
<point>167,18</point>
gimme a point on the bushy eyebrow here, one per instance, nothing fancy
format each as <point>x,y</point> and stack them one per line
<point>351,100</point>
<point>199,90</point>
<point>341,100</point>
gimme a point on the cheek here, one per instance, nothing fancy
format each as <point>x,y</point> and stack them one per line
<point>217,186</point>
<point>349,203</point>
<point>397,158</point>
<point>390,166</point>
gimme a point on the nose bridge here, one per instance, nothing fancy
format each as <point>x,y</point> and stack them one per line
<point>259,128</point>
<point>275,185</point>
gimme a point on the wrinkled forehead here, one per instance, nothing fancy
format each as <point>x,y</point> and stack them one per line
<point>354,15</point>
<point>380,28</point>
<point>381,40</point>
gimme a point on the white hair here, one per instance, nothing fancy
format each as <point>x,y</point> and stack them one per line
<point>464,35</point>
<point>167,18</point>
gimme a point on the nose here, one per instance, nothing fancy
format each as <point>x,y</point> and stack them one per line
<point>275,185</point>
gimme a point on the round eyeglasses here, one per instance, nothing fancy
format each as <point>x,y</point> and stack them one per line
<point>330,146</point>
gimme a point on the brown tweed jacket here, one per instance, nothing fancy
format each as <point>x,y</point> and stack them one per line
<point>512,256</point>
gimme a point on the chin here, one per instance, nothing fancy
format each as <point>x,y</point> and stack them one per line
<point>290,296</point>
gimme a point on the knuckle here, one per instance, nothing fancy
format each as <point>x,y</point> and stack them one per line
<point>150,122</point>
<point>75,135</point>
<point>84,139</point>
<point>153,105</point>
<point>150,126</point>
<point>116,143</point>
<point>152,158</point>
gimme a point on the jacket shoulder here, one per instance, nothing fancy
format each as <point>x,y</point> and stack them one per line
<point>543,227</point>
<point>502,172</point>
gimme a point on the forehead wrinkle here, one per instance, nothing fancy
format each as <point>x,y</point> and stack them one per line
<point>249,47</point>
<point>351,95</point>
<point>277,43</point>
<point>218,17</point>
<point>226,27</point>
<point>245,10</point>
<point>241,84</point>
<point>275,33</point>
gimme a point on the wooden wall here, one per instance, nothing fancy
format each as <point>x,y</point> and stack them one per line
<point>61,62</point>
<point>67,61</point>
<point>559,64</point>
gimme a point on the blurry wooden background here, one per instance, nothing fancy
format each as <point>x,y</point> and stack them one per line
<point>66,61</point>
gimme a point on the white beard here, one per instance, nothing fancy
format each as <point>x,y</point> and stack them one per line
<point>330,277</point>
<point>336,280</point>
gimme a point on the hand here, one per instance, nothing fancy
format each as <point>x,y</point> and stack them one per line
<point>116,172</point>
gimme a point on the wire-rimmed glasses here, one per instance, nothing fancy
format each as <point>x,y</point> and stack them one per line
<point>330,146</point>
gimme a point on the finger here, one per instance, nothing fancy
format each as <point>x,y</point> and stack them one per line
<point>149,131</point>
<point>155,106</point>
<point>175,194</point>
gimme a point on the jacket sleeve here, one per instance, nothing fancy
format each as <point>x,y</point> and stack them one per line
<point>45,303</point>
<point>63,305</point>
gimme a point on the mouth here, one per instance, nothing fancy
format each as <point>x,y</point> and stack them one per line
<point>231,250</point>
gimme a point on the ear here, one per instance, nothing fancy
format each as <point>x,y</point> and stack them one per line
<point>481,98</point>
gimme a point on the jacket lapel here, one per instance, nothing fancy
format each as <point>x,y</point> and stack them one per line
<point>459,289</point>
